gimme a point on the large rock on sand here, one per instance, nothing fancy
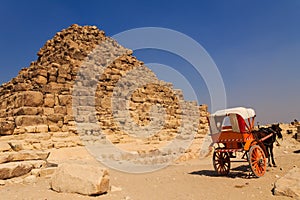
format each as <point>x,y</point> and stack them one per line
<point>289,185</point>
<point>84,179</point>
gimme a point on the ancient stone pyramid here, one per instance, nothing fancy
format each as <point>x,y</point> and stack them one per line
<point>36,108</point>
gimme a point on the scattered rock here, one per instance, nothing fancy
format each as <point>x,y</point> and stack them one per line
<point>84,179</point>
<point>288,185</point>
<point>14,169</point>
<point>239,186</point>
<point>2,182</point>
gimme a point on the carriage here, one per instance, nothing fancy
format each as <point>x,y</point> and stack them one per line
<point>236,136</point>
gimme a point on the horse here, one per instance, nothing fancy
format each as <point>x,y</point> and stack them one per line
<point>268,143</point>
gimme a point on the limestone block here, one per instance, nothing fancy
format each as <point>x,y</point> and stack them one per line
<point>18,145</point>
<point>14,169</point>
<point>30,179</point>
<point>49,111</point>
<point>5,157</point>
<point>42,128</point>
<point>29,120</point>
<point>42,172</point>
<point>65,128</point>
<point>60,110</point>
<point>53,70</point>
<point>36,164</point>
<point>4,146</point>
<point>289,185</point>
<point>29,155</point>
<point>30,129</point>
<point>28,111</point>
<point>34,136</point>
<point>32,98</point>
<point>23,155</point>
<point>54,128</point>
<point>60,79</point>
<point>23,87</point>
<point>84,179</point>
<point>49,100</point>
<point>52,78</point>
<point>19,130</point>
<point>46,144</point>
<point>41,80</point>
<point>7,127</point>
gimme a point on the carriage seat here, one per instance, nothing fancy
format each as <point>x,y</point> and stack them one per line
<point>238,123</point>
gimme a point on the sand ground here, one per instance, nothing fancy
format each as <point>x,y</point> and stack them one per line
<point>193,179</point>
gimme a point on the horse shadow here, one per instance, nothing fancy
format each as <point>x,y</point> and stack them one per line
<point>242,171</point>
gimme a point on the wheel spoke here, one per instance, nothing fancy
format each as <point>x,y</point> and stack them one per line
<point>254,161</point>
<point>254,154</point>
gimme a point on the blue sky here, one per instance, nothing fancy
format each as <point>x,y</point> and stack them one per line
<point>255,44</point>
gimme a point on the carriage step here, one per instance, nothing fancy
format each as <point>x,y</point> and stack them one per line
<point>229,150</point>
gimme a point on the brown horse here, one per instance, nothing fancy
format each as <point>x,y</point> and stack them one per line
<point>275,130</point>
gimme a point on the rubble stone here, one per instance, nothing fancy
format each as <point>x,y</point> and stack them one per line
<point>84,179</point>
<point>289,185</point>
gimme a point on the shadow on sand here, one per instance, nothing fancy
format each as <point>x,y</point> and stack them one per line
<point>296,151</point>
<point>242,171</point>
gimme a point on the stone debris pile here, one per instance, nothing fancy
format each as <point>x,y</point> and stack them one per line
<point>15,163</point>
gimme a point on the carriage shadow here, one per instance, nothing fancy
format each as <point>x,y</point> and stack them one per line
<point>242,171</point>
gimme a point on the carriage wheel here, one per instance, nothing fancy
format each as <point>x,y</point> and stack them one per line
<point>221,161</point>
<point>257,161</point>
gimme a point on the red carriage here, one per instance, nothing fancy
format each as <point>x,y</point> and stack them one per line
<point>236,137</point>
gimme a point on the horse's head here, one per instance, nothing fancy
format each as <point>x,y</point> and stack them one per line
<point>277,130</point>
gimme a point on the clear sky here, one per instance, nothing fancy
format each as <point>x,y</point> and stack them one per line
<point>255,44</point>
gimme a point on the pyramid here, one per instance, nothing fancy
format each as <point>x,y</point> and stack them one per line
<point>42,107</point>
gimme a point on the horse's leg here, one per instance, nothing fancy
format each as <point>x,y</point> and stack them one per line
<point>272,155</point>
<point>268,152</point>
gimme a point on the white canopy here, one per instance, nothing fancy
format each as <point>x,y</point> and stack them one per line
<point>243,112</point>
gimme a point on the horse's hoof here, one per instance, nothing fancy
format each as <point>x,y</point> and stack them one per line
<point>269,165</point>
<point>274,165</point>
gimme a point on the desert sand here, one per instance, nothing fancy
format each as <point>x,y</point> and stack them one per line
<point>193,179</point>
